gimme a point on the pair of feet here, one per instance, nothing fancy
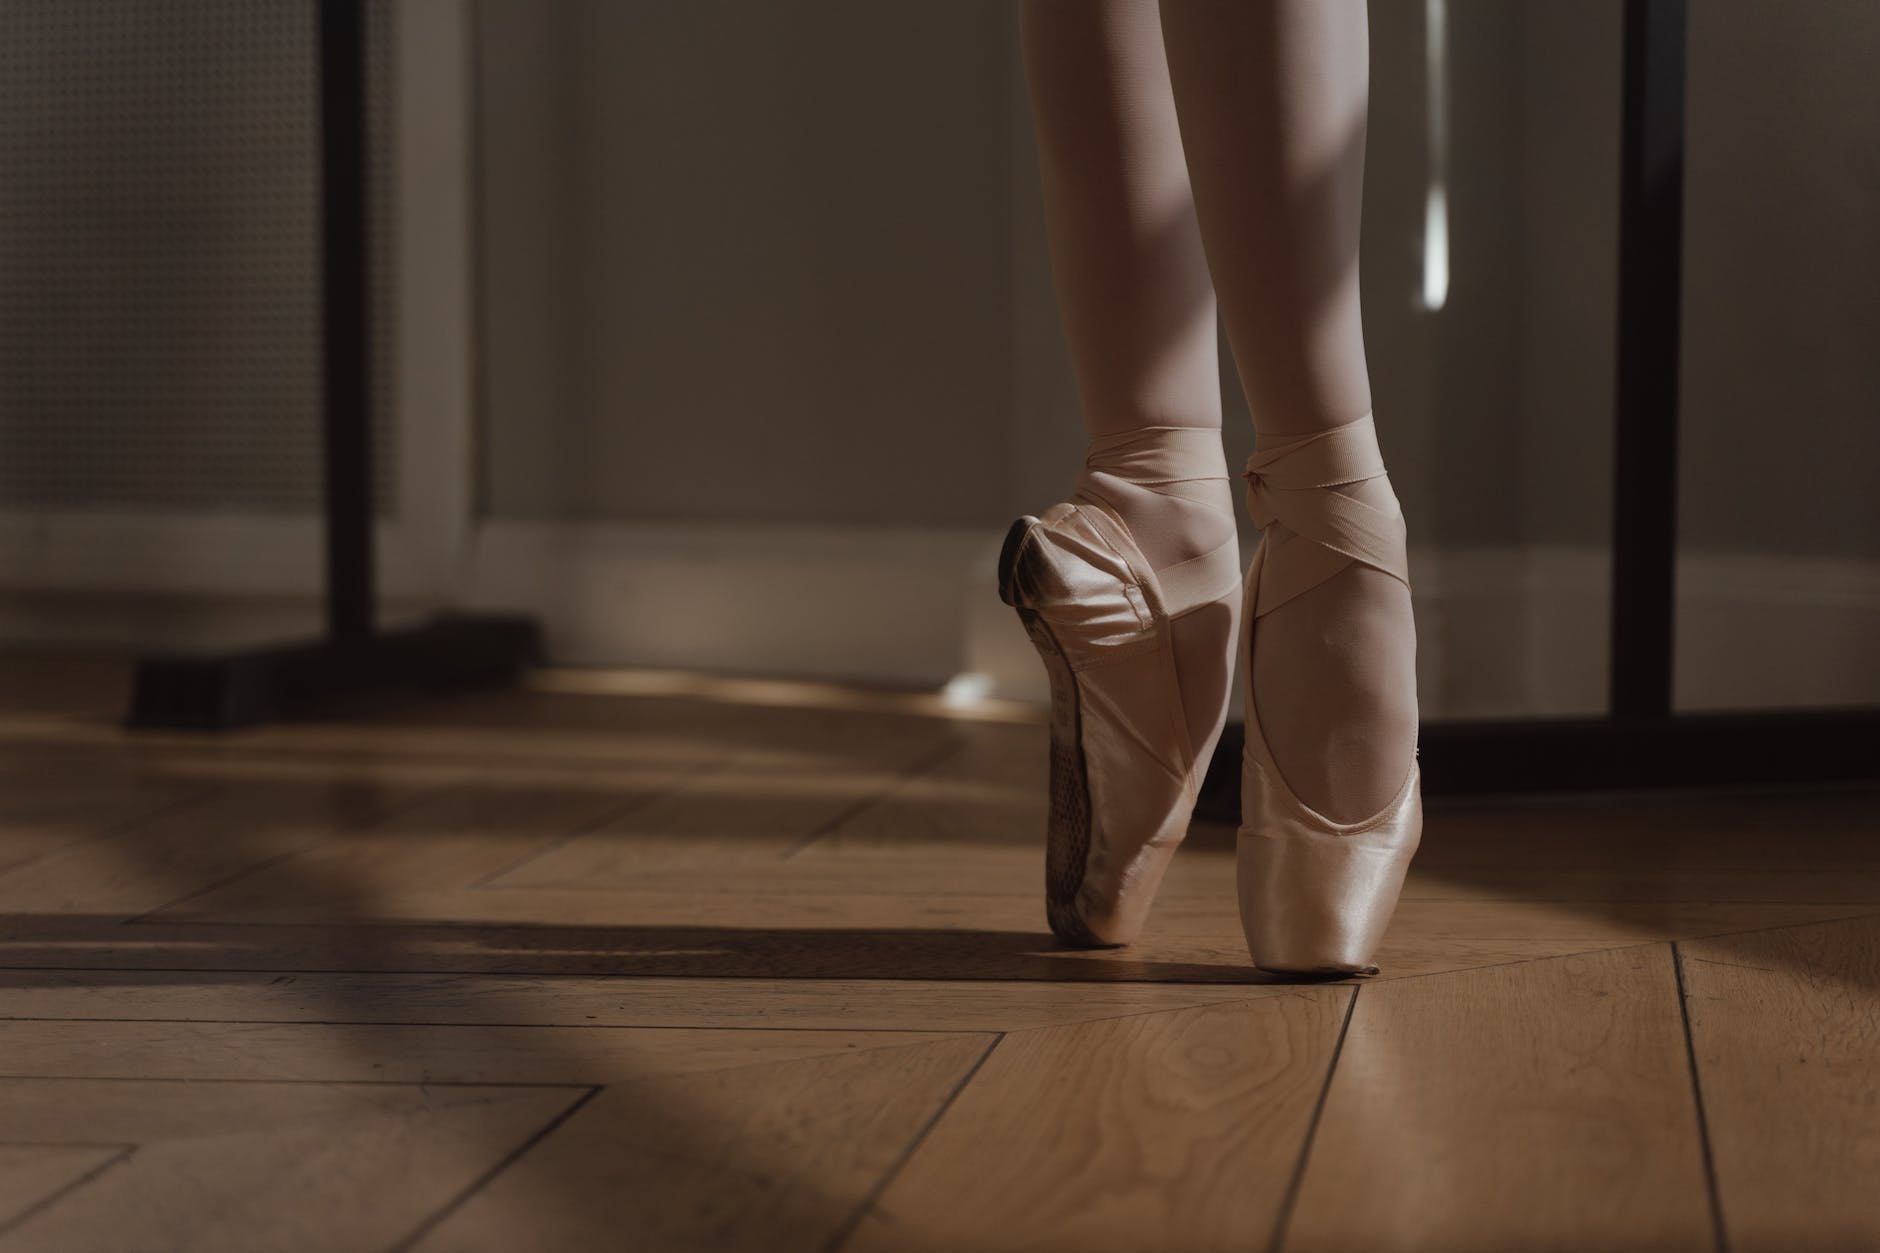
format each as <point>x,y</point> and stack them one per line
<point>1133,596</point>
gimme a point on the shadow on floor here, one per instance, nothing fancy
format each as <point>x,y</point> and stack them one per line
<point>61,941</point>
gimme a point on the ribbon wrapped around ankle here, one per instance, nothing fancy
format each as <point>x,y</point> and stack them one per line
<point>1311,531</point>
<point>1182,461</point>
<point>1163,459</point>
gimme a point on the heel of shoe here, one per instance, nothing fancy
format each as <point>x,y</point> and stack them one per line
<point>1008,559</point>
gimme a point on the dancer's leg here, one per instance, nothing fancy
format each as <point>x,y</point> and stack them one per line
<point>1132,281</point>
<point>1272,99</point>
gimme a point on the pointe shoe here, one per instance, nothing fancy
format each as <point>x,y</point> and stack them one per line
<point>1124,774</point>
<point>1316,895</point>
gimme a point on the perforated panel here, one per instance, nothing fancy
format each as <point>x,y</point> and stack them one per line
<point>159,254</point>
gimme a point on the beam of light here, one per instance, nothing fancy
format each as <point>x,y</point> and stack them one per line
<point>966,690</point>
<point>1436,200</point>
<point>965,695</point>
<point>1435,249</point>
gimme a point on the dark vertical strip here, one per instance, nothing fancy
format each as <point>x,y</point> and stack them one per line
<point>347,320</point>
<point>44,1203</point>
<point>476,139</point>
<point>926,762</point>
<point>484,1180</point>
<point>1697,1096</point>
<point>1645,452</point>
<point>1287,1203</point>
<point>842,1234</point>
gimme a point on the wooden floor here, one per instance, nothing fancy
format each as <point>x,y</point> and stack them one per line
<point>661,964</point>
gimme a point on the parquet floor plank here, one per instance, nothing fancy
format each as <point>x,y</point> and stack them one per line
<point>1785,1030</point>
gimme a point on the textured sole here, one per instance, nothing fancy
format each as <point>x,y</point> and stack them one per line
<point>1067,833</point>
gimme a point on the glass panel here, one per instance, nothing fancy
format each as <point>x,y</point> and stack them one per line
<point>1779,565</point>
<point>1490,278</point>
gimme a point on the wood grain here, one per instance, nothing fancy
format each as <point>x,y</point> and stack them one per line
<point>35,1176</point>
<point>146,865</point>
<point>46,805</point>
<point>1174,1131</point>
<point>453,836</point>
<point>1785,1026</point>
<point>395,1053</point>
<point>764,1158</point>
<point>250,1166</point>
<point>1539,1106</point>
<point>713,963</point>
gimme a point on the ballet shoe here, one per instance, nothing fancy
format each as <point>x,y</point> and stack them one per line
<point>1124,773</point>
<point>1316,895</point>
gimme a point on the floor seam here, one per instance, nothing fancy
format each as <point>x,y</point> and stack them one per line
<point>509,1026</point>
<point>9,1077</point>
<point>59,1194</point>
<point>914,770</point>
<point>1283,1219</point>
<point>841,1235</point>
<point>487,1177</point>
<point>1697,1097</point>
<point>674,787</point>
<point>671,1026</point>
<point>123,826</point>
<point>379,816</point>
<point>526,973</point>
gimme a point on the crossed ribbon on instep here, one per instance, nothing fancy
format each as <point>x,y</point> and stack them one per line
<point>1290,497</point>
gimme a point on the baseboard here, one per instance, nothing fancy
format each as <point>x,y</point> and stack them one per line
<point>883,604</point>
<point>1502,630</point>
<point>211,556</point>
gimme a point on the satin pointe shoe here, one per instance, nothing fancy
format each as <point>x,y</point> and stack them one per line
<point>1124,775</point>
<point>1316,895</point>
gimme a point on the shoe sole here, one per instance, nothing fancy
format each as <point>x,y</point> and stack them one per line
<point>1067,828</point>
